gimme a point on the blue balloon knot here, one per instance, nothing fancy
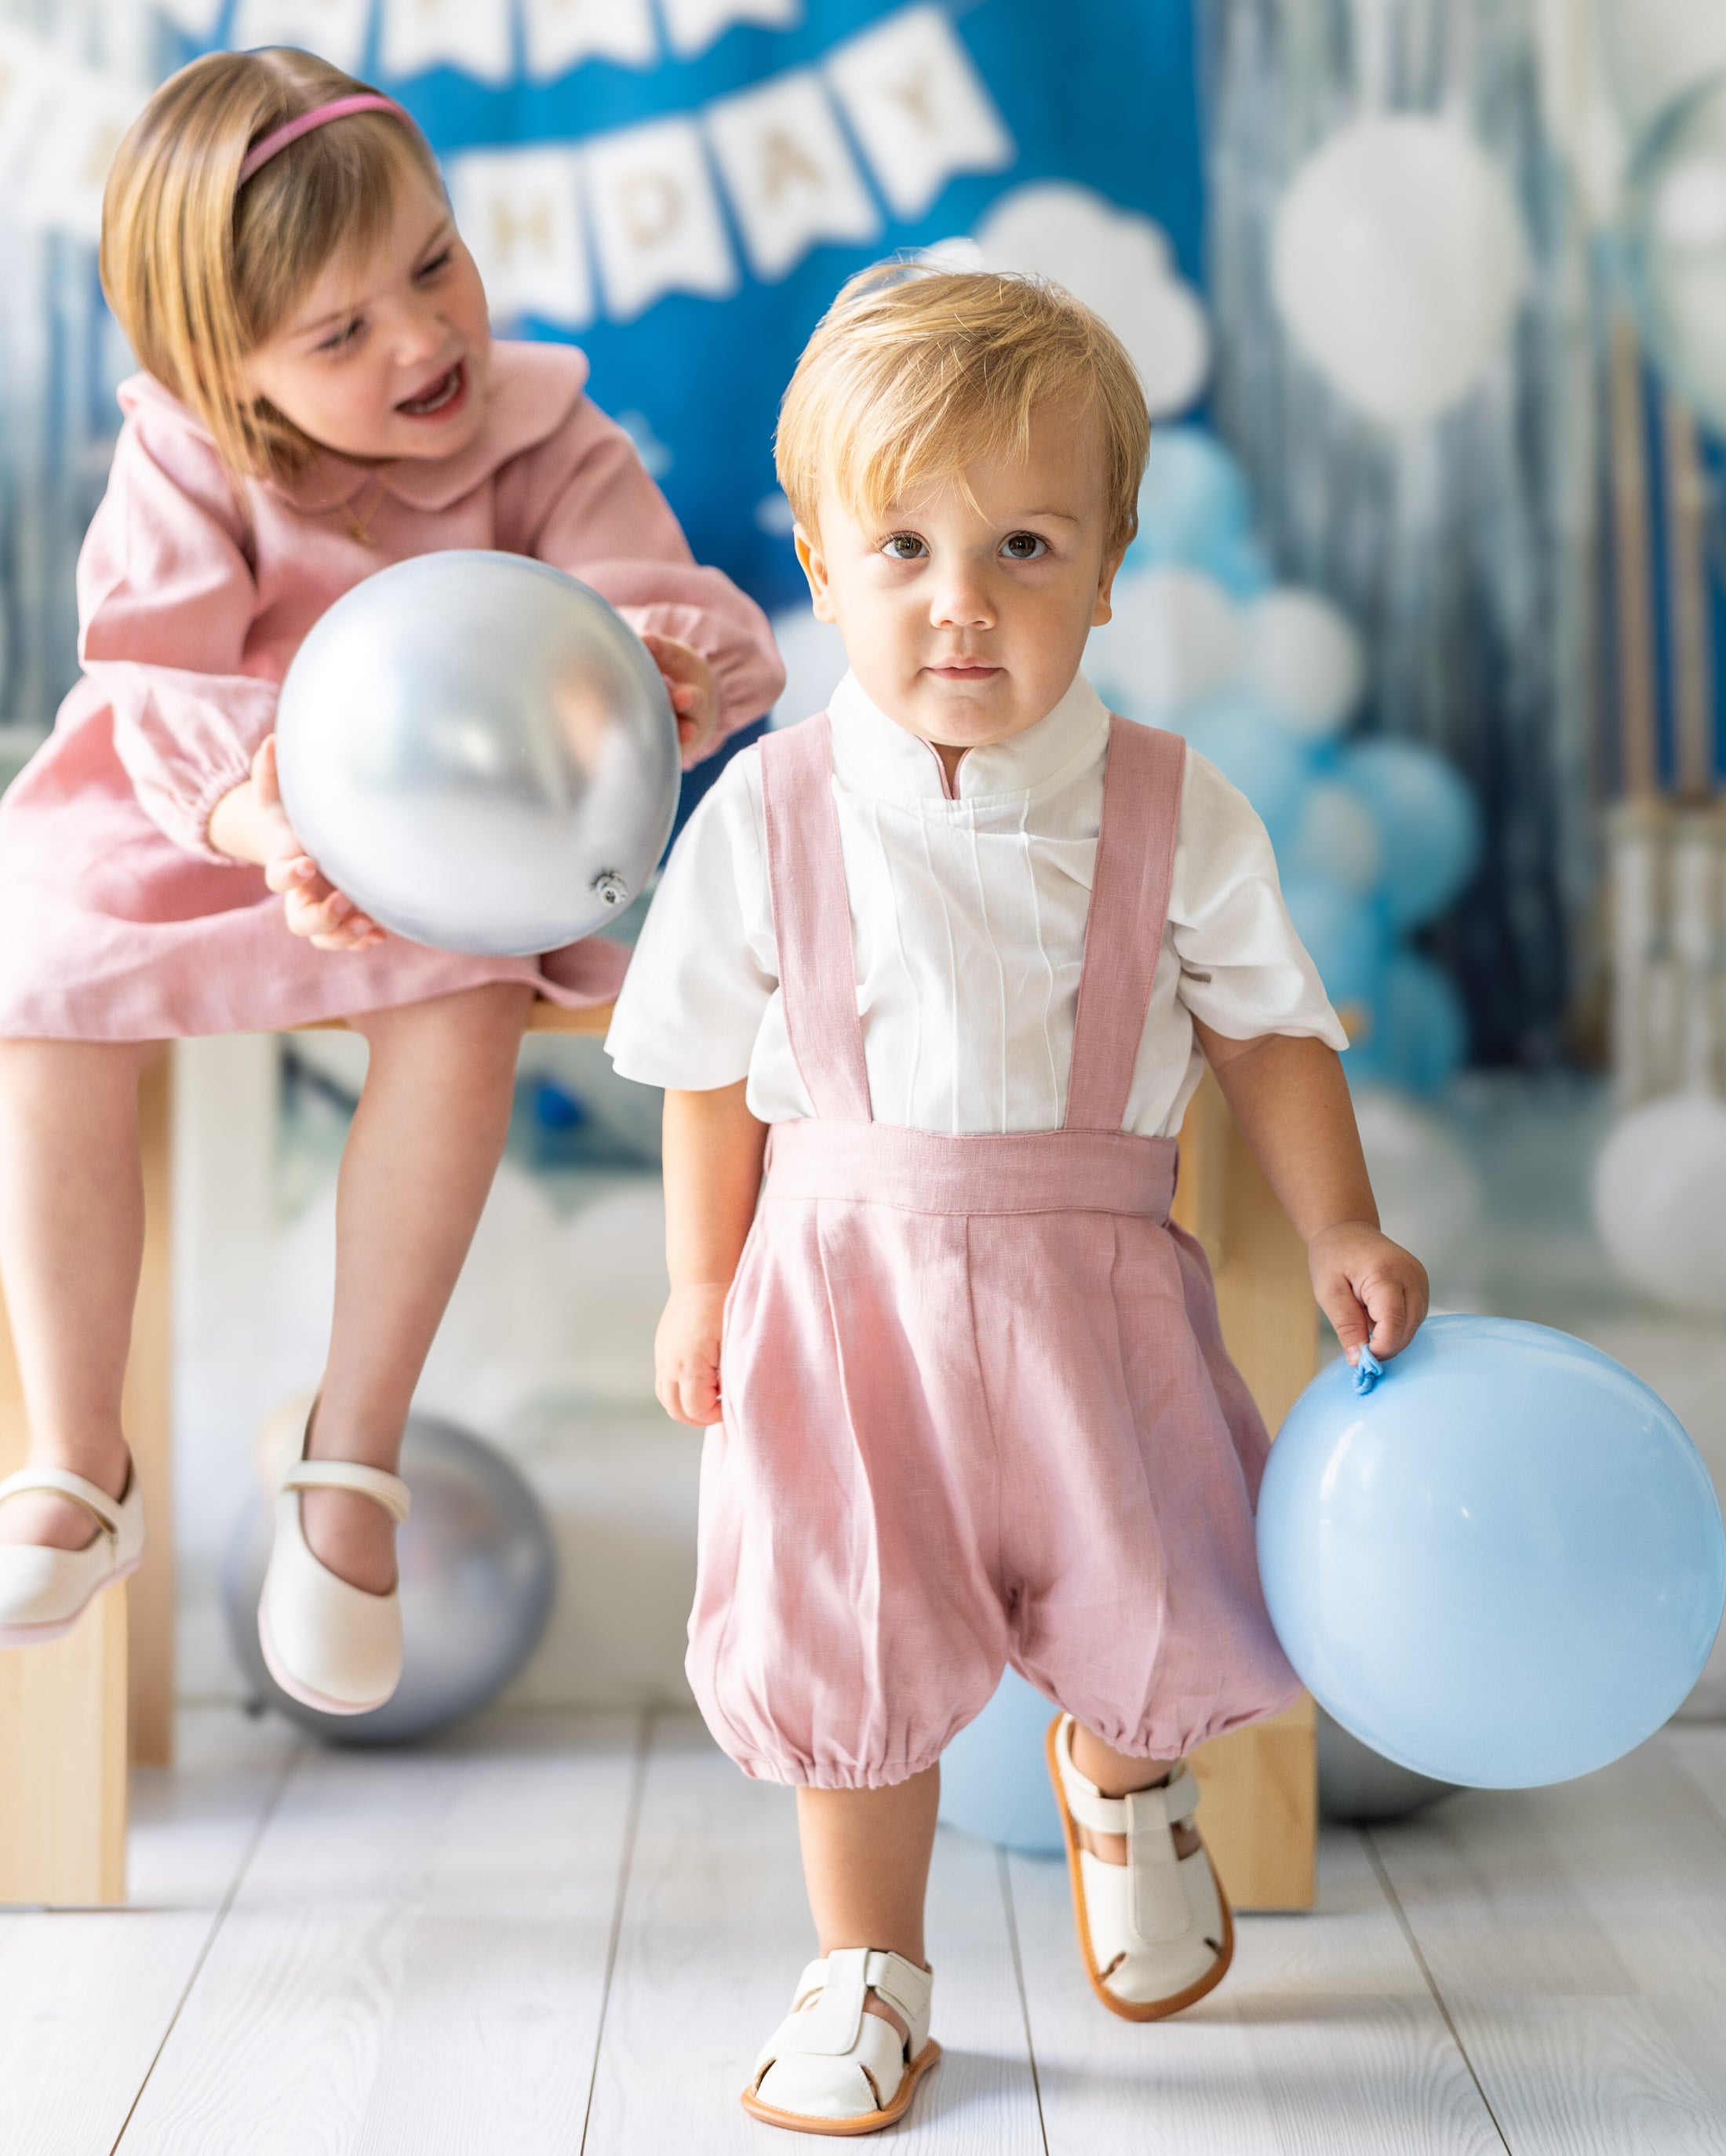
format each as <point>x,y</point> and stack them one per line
<point>1368,1371</point>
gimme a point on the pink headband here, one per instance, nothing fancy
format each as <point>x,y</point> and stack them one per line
<point>368,100</point>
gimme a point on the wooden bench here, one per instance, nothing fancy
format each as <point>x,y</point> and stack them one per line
<point>72,1715</point>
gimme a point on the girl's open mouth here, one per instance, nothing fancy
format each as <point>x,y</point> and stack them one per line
<point>444,394</point>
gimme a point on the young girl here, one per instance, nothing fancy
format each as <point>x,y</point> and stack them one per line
<point>951,958</point>
<point>321,397</point>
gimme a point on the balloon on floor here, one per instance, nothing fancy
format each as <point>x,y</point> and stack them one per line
<point>1502,1565</point>
<point>994,1783</point>
<point>1660,1202</point>
<point>480,752</point>
<point>478,1573</point>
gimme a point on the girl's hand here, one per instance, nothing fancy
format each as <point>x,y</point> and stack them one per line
<point>313,906</point>
<point>694,694</point>
<point>685,1354</point>
<point>1372,1290</point>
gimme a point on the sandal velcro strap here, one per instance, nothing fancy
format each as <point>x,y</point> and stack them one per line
<point>388,1491</point>
<point>1157,1903</point>
<point>61,1482</point>
<point>829,2029</point>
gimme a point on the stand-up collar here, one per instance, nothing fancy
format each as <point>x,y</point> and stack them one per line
<point>874,754</point>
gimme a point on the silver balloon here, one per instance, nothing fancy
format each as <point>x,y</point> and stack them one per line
<point>1674,222</point>
<point>1356,1782</point>
<point>480,753</point>
<point>478,1573</point>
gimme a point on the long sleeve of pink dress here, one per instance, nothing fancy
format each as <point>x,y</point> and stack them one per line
<point>194,593</point>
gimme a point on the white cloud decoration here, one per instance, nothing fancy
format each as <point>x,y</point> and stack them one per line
<point>1115,260</point>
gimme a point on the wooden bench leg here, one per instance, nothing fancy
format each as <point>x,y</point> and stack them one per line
<point>64,1708</point>
<point>1261,1784</point>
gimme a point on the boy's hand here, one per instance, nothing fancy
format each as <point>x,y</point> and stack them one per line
<point>694,694</point>
<point>685,1354</point>
<point>1372,1290</point>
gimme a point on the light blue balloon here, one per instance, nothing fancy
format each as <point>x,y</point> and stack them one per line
<point>1253,750</point>
<point>1193,501</point>
<point>1503,1565</point>
<point>1344,934</point>
<point>994,1775</point>
<point>1418,1036</point>
<point>1428,819</point>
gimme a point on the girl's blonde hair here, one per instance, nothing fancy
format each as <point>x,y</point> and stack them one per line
<point>913,373</point>
<point>199,271</point>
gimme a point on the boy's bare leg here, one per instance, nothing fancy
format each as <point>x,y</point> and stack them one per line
<point>1118,1774</point>
<point>865,1862</point>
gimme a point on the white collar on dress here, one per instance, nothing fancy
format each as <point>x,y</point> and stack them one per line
<point>873,754</point>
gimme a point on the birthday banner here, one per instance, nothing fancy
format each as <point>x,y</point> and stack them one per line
<point>681,186</point>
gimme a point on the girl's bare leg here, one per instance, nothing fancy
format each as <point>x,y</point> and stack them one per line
<point>425,1143</point>
<point>866,1862</point>
<point>71,1241</point>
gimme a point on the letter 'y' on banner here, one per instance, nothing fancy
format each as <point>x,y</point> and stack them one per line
<point>692,25</point>
<point>334,29</point>
<point>656,215</point>
<point>562,33</point>
<point>791,179</point>
<point>473,35</point>
<point>519,213</point>
<point>918,106</point>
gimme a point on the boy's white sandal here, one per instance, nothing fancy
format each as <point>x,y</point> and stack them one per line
<point>829,2067</point>
<point>1155,1933</point>
<point>328,1643</point>
<point>44,1592</point>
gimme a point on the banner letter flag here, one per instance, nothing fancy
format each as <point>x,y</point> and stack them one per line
<point>918,107</point>
<point>790,175</point>
<point>562,33</point>
<point>334,29</point>
<point>25,74</point>
<point>198,18</point>
<point>655,216</point>
<point>693,24</point>
<point>87,116</point>
<point>473,35</point>
<point>519,211</point>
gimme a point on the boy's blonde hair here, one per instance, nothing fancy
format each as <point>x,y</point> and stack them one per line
<point>912,373</point>
<point>199,271</point>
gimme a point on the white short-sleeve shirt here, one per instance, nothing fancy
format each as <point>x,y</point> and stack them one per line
<point>968,915</point>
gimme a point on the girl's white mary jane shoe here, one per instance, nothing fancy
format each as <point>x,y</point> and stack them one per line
<point>831,2068</point>
<point>1155,1933</point>
<point>327,1644</point>
<point>43,1592</point>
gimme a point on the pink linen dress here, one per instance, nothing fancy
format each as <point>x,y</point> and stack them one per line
<point>977,1404</point>
<point>194,592</point>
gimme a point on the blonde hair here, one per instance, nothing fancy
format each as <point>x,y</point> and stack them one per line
<point>199,271</point>
<point>912,374</point>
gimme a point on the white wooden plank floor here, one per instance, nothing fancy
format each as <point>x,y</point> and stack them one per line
<point>567,1932</point>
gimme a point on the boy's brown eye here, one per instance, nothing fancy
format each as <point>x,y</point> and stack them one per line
<point>904,546</point>
<point>1023,547</point>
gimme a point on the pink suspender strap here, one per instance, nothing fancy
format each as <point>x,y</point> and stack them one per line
<point>812,920</point>
<point>1129,908</point>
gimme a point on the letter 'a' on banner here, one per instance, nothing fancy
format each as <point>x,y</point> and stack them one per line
<point>334,29</point>
<point>656,221</point>
<point>790,175</point>
<point>919,108</point>
<point>560,34</point>
<point>474,35</point>
<point>519,213</point>
<point>692,25</point>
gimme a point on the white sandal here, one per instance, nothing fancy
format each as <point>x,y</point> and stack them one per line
<point>43,1592</point>
<point>831,2068</point>
<point>328,1643</point>
<point>1155,1933</point>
